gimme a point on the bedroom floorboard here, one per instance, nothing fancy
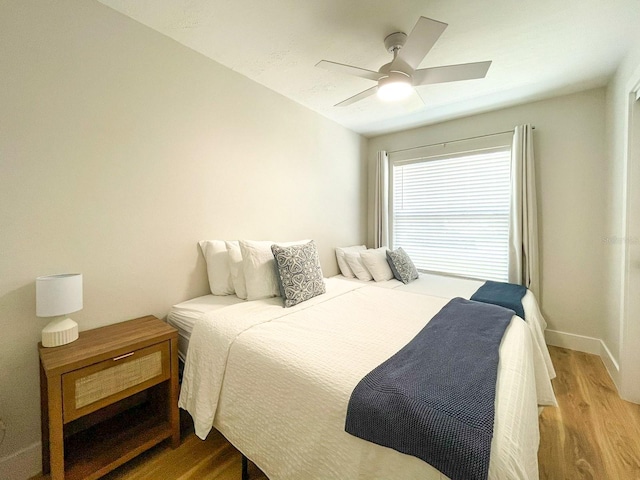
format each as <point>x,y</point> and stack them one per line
<point>592,435</point>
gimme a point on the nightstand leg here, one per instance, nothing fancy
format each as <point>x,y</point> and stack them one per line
<point>56,437</point>
<point>245,468</point>
<point>174,412</point>
<point>44,421</point>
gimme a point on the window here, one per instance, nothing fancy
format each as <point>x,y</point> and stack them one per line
<point>451,213</point>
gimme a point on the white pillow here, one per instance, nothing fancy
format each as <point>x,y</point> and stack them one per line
<point>259,268</point>
<point>375,259</point>
<point>356,265</point>
<point>217,258</point>
<point>235,268</point>
<point>342,263</point>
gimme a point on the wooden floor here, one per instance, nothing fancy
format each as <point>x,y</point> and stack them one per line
<point>212,459</point>
<point>593,434</point>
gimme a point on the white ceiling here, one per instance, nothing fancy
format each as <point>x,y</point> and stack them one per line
<point>539,48</point>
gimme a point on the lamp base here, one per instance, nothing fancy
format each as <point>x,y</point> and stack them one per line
<point>59,331</point>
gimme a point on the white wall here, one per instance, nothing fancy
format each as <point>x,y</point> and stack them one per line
<point>119,150</point>
<point>622,282</point>
<point>570,167</point>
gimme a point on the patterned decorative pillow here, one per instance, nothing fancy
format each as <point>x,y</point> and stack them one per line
<point>299,273</point>
<point>401,265</point>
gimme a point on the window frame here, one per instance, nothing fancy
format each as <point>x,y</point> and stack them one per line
<point>444,151</point>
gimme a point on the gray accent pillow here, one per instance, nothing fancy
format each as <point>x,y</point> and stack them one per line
<point>401,265</point>
<point>298,272</point>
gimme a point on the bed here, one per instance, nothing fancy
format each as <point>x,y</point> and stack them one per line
<point>184,315</point>
<point>276,382</point>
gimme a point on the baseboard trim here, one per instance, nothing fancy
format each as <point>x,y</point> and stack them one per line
<point>23,464</point>
<point>573,341</point>
<point>610,364</point>
<point>586,344</point>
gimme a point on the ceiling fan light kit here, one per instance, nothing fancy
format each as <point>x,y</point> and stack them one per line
<point>395,86</point>
<point>397,79</point>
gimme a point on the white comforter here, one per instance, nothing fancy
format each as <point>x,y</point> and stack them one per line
<point>276,382</point>
<point>449,287</point>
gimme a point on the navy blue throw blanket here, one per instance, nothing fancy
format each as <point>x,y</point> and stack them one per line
<point>434,399</point>
<point>507,295</point>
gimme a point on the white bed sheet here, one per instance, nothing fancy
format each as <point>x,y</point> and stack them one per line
<point>446,286</point>
<point>184,315</point>
<point>276,382</point>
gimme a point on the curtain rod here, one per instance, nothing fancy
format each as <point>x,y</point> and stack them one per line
<point>455,141</point>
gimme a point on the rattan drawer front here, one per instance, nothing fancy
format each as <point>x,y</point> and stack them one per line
<point>101,384</point>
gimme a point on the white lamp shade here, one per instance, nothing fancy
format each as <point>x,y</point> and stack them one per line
<point>58,294</point>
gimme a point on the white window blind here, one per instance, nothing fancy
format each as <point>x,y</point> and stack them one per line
<point>451,215</point>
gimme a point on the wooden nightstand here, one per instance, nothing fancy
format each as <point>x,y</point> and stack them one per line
<point>107,397</point>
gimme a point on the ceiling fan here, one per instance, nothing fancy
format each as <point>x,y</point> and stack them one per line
<point>397,78</point>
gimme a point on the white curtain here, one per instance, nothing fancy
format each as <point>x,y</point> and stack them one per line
<point>381,202</point>
<point>523,232</point>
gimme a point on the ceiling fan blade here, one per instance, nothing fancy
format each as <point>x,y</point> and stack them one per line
<point>421,39</point>
<point>367,93</point>
<point>349,70</point>
<point>450,73</point>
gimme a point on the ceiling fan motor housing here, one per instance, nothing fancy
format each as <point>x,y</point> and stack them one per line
<point>395,42</point>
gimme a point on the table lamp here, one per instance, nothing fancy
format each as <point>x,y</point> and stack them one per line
<point>57,296</point>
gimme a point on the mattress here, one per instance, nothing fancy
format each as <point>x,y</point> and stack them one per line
<point>184,315</point>
<point>276,382</point>
<point>444,286</point>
